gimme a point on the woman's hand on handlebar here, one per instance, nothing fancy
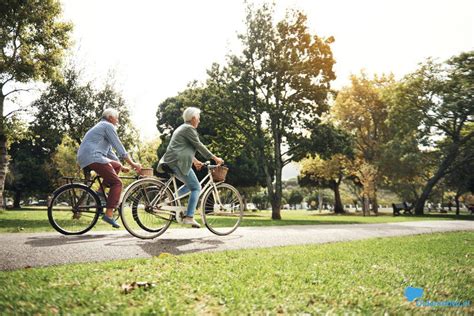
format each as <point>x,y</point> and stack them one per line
<point>198,164</point>
<point>218,160</point>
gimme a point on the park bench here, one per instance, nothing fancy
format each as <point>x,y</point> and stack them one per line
<point>405,207</point>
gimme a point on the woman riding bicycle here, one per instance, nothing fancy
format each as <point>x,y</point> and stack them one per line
<point>95,153</point>
<point>179,157</point>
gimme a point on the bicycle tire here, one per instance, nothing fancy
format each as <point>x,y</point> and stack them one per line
<point>135,209</point>
<point>229,212</point>
<point>62,215</point>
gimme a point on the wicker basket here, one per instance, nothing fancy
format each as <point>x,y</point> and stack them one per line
<point>219,173</point>
<point>146,172</point>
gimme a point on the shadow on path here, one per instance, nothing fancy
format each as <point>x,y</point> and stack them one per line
<point>48,241</point>
<point>126,244</point>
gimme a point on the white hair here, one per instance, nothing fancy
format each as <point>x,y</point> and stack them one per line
<point>110,112</point>
<point>191,112</point>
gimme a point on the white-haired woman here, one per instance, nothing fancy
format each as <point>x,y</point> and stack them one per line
<point>179,157</point>
<point>96,153</point>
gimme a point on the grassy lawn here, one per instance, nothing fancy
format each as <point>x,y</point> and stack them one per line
<point>366,277</point>
<point>36,219</point>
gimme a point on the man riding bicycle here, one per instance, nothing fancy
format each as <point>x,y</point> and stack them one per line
<point>179,157</point>
<point>95,153</point>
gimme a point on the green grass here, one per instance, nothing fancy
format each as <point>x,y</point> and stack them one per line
<point>36,219</point>
<point>352,277</point>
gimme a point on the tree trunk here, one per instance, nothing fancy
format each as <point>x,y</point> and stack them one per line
<point>244,200</point>
<point>420,203</point>
<point>278,166</point>
<point>338,207</point>
<point>320,201</point>
<point>17,199</point>
<point>456,199</point>
<point>365,205</point>
<point>3,152</point>
<point>276,201</point>
<point>375,203</point>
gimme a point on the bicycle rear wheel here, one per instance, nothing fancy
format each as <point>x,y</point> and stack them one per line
<point>74,209</point>
<point>138,210</point>
<point>222,209</point>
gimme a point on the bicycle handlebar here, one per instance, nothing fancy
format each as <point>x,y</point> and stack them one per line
<point>208,165</point>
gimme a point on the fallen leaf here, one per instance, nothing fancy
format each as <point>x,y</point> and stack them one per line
<point>54,310</point>
<point>129,287</point>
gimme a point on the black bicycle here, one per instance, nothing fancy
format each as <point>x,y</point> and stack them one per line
<point>75,207</point>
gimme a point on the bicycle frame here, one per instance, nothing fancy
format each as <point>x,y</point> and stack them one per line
<point>88,182</point>
<point>207,183</point>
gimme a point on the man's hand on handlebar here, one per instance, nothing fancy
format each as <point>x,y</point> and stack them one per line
<point>137,167</point>
<point>125,169</point>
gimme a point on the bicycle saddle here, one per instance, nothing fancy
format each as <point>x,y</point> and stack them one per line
<point>167,172</point>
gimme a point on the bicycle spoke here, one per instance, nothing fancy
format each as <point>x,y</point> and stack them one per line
<point>222,209</point>
<point>73,209</point>
<point>139,214</point>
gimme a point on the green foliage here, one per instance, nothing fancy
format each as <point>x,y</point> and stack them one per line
<point>70,107</point>
<point>362,110</point>
<point>296,197</point>
<point>244,169</point>
<point>438,102</point>
<point>16,129</point>
<point>64,158</point>
<point>267,95</point>
<point>146,152</point>
<point>260,200</point>
<point>32,39</point>
<point>32,43</point>
<point>29,172</point>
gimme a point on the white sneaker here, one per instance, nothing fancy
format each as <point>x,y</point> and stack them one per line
<point>191,221</point>
<point>179,216</point>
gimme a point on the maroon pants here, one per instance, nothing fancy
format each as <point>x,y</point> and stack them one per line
<point>109,173</point>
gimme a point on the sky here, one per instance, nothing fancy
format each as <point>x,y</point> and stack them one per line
<point>155,48</point>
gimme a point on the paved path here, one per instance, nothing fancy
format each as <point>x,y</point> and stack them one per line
<point>45,249</point>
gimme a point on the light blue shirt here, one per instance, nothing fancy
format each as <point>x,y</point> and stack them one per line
<point>98,143</point>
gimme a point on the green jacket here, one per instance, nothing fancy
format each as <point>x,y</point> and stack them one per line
<point>182,148</point>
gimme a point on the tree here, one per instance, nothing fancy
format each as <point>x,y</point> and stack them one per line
<point>295,198</point>
<point>440,99</point>
<point>70,107</point>
<point>245,172</point>
<point>28,169</point>
<point>330,153</point>
<point>146,152</point>
<point>326,174</point>
<point>64,158</point>
<point>267,95</point>
<point>362,111</point>
<point>261,200</point>
<point>460,178</point>
<point>32,40</point>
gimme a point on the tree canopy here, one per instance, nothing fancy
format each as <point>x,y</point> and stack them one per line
<point>33,40</point>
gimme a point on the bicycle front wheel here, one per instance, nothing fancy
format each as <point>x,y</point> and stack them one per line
<point>139,212</point>
<point>74,209</point>
<point>222,209</point>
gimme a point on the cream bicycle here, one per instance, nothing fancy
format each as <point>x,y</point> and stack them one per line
<point>150,205</point>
